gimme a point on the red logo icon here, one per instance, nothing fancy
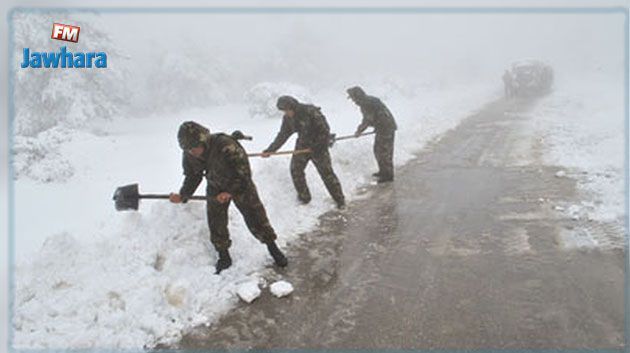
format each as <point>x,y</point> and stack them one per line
<point>66,33</point>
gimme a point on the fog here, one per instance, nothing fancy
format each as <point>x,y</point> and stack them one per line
<point>321,49</point>
<point>162,63</point>
<point>165,62</point>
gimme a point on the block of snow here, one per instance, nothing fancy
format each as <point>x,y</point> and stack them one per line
<point>561,174</point>
<point>248,291</point>
<point>176,293</point>
<point>281,288</point>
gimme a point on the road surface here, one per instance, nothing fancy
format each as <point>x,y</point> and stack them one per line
<point>464,250</point>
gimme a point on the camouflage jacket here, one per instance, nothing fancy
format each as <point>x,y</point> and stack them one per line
<point>224,164</point>
<point>376,114</point>
<point>311,126</point>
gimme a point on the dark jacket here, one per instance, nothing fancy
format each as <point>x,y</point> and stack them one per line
<point>224,164</point>
<point>311,126</point>
<point>375,114</point>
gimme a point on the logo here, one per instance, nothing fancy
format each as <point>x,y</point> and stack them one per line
<point>63,58</point>
<point>65,32</point>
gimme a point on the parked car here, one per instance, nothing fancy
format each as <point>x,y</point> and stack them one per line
<point>531,78</point>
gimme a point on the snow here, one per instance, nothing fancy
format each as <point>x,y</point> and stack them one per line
<point>581,127</point>
<point>561,174</point>
<point>261,99</point>
<point>281,288</point>
<point>88,276</point>
<point>248,291</point>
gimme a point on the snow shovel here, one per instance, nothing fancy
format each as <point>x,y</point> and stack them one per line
<point>306,150</point>
<point>128,197</point>
<point>334,138</point>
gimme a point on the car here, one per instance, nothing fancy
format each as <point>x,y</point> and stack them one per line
<point>531,78</point>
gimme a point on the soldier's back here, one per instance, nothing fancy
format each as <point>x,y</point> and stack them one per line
<point>384,120</point>
<point>224,147</point>
<point>308,115</point>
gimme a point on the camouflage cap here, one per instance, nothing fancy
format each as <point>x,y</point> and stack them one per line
<point>191,135</point>
<point>356,92</point>
<point>287,103</point>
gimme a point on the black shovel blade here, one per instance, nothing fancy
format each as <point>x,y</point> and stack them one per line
<point>127,197</point>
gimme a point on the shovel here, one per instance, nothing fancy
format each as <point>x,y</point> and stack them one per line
<point>128,197</point>
<point>238,135</point>
<point>306,150</point>
<point>334,138</point>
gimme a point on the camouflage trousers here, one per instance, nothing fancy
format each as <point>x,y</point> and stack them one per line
<point>253,211</point>
<point>322,163</point>
<point>384,153</point>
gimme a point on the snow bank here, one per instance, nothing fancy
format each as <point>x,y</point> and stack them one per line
<point>39,158</point>
<point>128,280</point>
<point>581,126</point>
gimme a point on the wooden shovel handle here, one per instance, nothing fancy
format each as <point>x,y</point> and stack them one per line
<point>164,196</point>
<point>346,137</point>
<point>306,150</point>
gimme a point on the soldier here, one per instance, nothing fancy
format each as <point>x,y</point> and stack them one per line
<point>313,133</point>
<point>226,167</point>
<point>508,84</point>
<point>376,114</point>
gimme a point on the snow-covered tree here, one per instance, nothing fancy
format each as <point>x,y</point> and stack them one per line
<point>50,103</point>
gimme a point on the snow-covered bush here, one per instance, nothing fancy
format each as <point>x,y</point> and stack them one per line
<point>261,98</point>
<point>39,158</point>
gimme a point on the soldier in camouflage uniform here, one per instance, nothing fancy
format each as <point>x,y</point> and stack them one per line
<point>313,133</point>
<point>226,167</point>
<point>376,114</point>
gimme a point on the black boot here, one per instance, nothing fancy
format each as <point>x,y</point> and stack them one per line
<point>224,262</point>
<point>277,255</point>
<point>304,200</point>
<point>384,179</point>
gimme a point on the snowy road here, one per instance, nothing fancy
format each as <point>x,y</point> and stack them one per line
<point>467,249</point>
